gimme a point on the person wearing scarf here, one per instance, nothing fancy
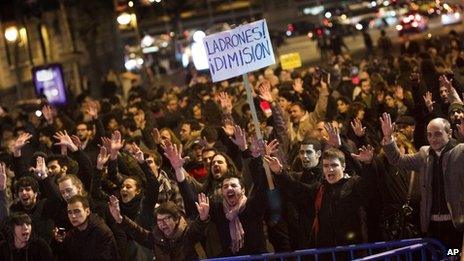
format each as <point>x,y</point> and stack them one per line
<point>233,206</point>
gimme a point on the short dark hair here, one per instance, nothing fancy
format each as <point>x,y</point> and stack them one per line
<point>169,208</point>
<point>333,153</point>
<point>299,104</point>
<point>27,181</point>
<point>317,144</point>
<point>194,125</point>
<point>62,160</point>
<point>78,198</point>
<point>87,125</point>
<point>138,181</point>
<point>210,133</point>
<point>229,175</point>
<point>344,99</point>
<point>19,219</point>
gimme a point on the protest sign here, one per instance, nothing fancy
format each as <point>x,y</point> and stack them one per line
<point>290,61</point>
<point>240,50</point>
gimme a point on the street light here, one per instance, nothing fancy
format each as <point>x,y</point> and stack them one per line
<point>11,34</point>
<point>124,18</point>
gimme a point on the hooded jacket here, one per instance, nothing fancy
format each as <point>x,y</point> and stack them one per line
<point>95,243</point>
<point>35,250</point>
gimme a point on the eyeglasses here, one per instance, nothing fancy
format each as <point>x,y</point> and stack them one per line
<point>163,220</point>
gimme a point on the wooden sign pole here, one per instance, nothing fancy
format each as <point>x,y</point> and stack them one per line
<point>259,136</point>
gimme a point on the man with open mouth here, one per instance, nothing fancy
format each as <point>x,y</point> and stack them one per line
<point>20,244</point>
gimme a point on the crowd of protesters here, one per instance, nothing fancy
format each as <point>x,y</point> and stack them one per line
<point>355,150</point>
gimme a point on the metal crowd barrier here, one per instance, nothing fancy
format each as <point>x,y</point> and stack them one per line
<point>407,249</point>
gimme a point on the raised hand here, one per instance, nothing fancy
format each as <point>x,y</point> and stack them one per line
<point>334,139</point>
<point>298,85</point>
<point>365,155</point>
<point>48,113</point>
<point>325,85</point>
<point>117,143</point>
<point>203,142</point>
<point>102,158</point>
<point>106,142</point>
<point>271,148</point>
<point>2,176</point>
<point>137,153</point>
<point>274,164</point>
<point>174,155</point>
<point>448,83</point>
<point>257,147</point>
<point>225,101</point>
<point>20,142</point>
<point>357,127</point>
<point>203,206</point>
<point>387,126</point>
<point>265,91</point>
<point>239,138</point>
<point>40,170</point>
<point>92,110</point>
<point>65,140</point>
<point>428,101</point>
<point>228,127</point>
<point>115,211</point>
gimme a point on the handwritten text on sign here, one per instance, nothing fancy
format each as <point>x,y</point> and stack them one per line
<point>235,52</point>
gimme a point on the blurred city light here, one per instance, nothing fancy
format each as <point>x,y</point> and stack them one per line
<point>198,36</point>
<point>198,52</point>
<point>124,18</point>
<point>133,64</point>
<point>147,40</point>
<point>11,34</point>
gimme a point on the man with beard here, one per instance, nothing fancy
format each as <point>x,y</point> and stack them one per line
<point>89,239</point>
<point>456,116</point>
<point>40,210</point>
<point>238,218</point>
<point>20,244</point>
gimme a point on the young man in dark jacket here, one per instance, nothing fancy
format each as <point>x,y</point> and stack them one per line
<point>21,244</point>
<point>337,202</point>
<point>90,239</point>
<point>40,210</point>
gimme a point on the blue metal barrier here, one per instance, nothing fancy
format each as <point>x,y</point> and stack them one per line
<point>406,249</point>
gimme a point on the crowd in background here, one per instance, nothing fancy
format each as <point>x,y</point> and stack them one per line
<point>355,150</point>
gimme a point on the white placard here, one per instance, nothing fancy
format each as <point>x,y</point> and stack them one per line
<point>235,52</point>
